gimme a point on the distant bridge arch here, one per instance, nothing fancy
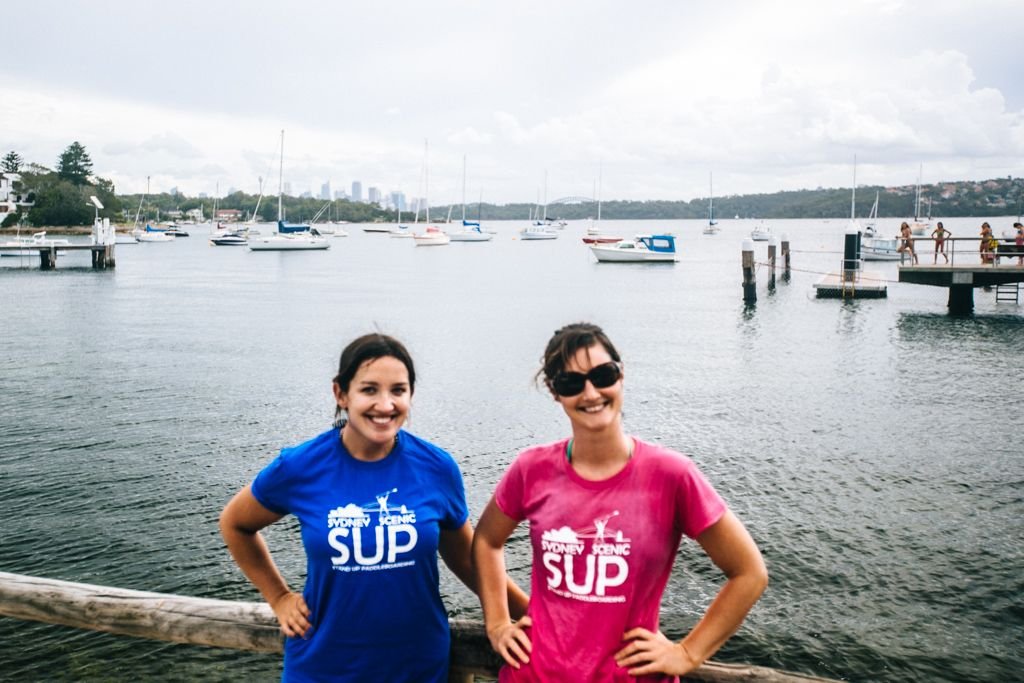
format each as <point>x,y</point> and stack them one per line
<point>574,199</point>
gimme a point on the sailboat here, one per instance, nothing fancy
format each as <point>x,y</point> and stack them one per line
<point>471,231</point>
<point>290,236</point>
<point>594,233</point>
<point>150,234</point>
<point>432,236</point>
<point>712,227</point>
<point>872,246</point>
<point>919,227</point>
<point>872,219</point>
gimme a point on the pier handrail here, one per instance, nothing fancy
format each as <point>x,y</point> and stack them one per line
<point>251,625</point>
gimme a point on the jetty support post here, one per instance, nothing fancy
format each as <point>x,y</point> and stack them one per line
<point>48,258</point>
<point>103,257</point>
<point>103,240</point>
<point>961,294</point>
<point>772,248</point>
<point>749,279</point>
<point>785,257</point>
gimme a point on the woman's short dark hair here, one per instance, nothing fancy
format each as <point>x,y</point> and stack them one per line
<point>564,344</point>
<point>371,347</point>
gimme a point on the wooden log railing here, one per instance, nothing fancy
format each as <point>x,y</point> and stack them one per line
<point>251,625</point>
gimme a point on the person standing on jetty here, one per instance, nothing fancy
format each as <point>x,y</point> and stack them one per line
<point>376,506</point>
<point>940,234</point>
<point>907,244</point>
<point>607,512</point>
<point>986,249</point>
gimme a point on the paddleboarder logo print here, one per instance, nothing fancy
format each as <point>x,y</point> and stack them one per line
<point>586,564</point>
<point>372,536</point>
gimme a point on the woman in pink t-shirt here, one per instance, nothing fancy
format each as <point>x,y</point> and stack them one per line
<point>606,513</point>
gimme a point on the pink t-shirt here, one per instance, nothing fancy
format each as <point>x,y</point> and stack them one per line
<point>602,553</point>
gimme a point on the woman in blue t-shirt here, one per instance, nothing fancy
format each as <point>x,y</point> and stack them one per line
<point>376,506</point>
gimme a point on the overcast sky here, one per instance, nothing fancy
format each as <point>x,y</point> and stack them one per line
<point>649,96</point>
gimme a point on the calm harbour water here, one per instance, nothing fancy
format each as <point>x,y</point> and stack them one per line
<point>872,447</point>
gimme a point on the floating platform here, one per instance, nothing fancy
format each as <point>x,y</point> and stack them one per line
<point>855,285</point>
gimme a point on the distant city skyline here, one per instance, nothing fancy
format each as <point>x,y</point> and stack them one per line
<point>621,102</point>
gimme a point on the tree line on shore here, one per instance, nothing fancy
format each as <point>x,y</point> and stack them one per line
<point>60,197</point>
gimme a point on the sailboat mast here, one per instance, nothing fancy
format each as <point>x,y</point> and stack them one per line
<point>280,179</point>
<point>426,179</point>
<point>711,198</point>
<point>545,195</point>
<point>600,169</point>
<point>463,188</point>
<point>853,194</point>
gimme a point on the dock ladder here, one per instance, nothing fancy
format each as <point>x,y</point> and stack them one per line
<point>1009,292</point>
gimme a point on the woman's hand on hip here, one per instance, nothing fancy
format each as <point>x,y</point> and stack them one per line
<point>649,653</point>
<point>511,641</point>
<point>292,614</point>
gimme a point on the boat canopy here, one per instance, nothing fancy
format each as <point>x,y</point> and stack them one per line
<point>283,227</point>
<point>665,244</point>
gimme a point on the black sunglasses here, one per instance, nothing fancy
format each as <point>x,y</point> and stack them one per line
<point>601,376</point>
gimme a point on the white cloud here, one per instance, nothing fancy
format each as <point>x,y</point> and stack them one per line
<point>767,95</point>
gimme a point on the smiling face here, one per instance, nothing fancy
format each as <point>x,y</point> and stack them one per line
<point>593,409</point>
<point>377,402</point>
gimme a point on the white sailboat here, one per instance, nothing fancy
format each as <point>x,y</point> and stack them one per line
<point>872,219</point>
<point>471,231</point>
<point>289,237</point>
<point>712,227</point>
<point>432,236</point>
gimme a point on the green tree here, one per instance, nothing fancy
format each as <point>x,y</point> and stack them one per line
<point>11,162</point>
<point>74,164</point>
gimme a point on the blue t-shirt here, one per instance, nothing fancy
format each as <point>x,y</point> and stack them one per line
<point>370,531</point>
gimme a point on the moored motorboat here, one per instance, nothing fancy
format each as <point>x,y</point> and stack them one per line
<point>37,241</point>
<point>642,248</point>
<point>537,232</point>
<point>761,233</point>
<point>433,236</point>
<point>230,239</point>
<point>880,249</point>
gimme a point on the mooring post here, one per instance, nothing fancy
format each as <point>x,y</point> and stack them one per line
<point>851,255</point>
<point>785,257</point>
<point>48,258</point>
<point>772,247</point>
<point>749,281</point>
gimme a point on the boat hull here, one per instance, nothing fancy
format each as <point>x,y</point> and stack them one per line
<point>610,255</point>
<point>288,244</point>
<point>471,236</point>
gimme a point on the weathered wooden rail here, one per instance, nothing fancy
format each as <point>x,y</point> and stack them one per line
<point>251,625</point>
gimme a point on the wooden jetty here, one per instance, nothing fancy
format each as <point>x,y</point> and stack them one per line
<point>251,626</point>
<point>102,254</point>
<point>101,245</point>
<point>961,275</point>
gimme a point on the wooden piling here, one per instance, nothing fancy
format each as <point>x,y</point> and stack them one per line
<point>48,258</point>
<point>749,278</point>
<point>251,626</point>
<point>785,257</point>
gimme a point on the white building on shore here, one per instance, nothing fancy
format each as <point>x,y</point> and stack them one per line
<point>12,196</point>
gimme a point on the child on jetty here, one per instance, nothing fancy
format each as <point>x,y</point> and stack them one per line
<point>607,512</point>
<point>376,506</point>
